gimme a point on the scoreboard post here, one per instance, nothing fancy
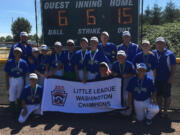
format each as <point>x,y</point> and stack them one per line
<point>64,19</point>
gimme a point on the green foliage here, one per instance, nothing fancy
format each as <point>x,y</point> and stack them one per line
<point>170,31</point>
<point>9,38</point>
<point>2,39</point>
<point>170,12</point>
<point>19,25</point>
<point>156,15</point>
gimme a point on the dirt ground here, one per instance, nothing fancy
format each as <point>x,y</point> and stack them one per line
<point>53,123</point>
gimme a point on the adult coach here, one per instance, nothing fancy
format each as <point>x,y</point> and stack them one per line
<point>25,47</point>
<point>165,73</point>
<point>130,48</point>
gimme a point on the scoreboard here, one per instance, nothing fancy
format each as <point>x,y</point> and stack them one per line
<point>65,19</point>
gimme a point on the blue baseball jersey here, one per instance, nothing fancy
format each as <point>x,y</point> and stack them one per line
<point>93,65</point>
<point>109,50</point>
<point>148,59</point>
<point>26,51</point>
<point>126,68</point>
<point>16,69</point>
<point>32,96</point>
<point>141,89</point>
<point>79,59</point>
<point>56,59</point>
<point>43,61</point>
<point>69,61</point>
<point>131,50</point>
<point>165,60</point>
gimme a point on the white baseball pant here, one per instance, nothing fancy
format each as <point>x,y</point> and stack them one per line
<point>91,76</point>
<point>30,108</point>
<point>15,88</point>
<point>144,109</point>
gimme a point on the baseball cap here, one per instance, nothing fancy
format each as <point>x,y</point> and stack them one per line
<point>84,39</point>
<point>103,64</point>
<point>70,41</point>
<point>105,33</point>
<point>141,66</point>
<point>43,47</point>
<point>126,33</point>
<point>145,42</point>
<point>94,39</point>
<point>35,49</point>
<point>57,43</point>
<point>33,76</point>
<point>23,33</point>
<point>18,49</point>
<point>160,39</point>
<point>121,52</point>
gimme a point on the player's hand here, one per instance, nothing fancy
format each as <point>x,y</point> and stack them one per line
<point>24,112</point>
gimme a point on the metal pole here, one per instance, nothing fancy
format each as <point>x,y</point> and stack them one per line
<point>142,3</point>
<point>35,5</point>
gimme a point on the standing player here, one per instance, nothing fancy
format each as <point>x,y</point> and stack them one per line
<point>147,57</point>
<point>108,48</point>
<point>165,73</point>
<point>124,69</point>
<point>142,89</point>
<point>31,97</point>
<point>26,48</point>
<point>93,59</point>
<point>16,70</point>
<point>130,48</point>
<point>69,61</point>
<point>56,58</point>
<point>80,57</point>
<point>43,64</point>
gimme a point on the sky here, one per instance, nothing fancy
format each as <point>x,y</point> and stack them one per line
<point>10,10</point>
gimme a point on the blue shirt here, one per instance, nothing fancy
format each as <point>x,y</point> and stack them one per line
<point>56,59</point>
<point>149,60</point>
<point>43,61</point>
<point>109,50</point>
<point>69,61</point>
<point>165,60</point>
<point>26,51</point>
<point>93,65</point>
<point>79,59</point>
<point>141,89</point>
<point>32,97</point>
<point>131,51</point>
<point>16,69</point>
<point>126,68</point>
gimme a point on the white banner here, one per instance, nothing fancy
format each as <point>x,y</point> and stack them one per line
<point>76,97</point>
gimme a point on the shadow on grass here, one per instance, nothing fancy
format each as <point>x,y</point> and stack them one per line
<point>110,123</point>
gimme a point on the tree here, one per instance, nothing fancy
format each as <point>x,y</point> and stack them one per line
<point>156,15</point>
<point>2,39</point>
<point>170,12</point>
<point>9,38</point>
<point>19,25</point>
<point>147,16</point>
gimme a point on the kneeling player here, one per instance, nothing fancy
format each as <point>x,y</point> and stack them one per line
<point>142,89</point>
<point>31,98</point>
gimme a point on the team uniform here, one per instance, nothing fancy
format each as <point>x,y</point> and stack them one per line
<point>43,62</point>
<point>120,69</point>
<point>131,50</point>
<point>32,100</point>
<point>165,60</point>
<point>141,91</point>
<point>26,51</point>
<point>109,50</point>
<point>79,60</point>
<point>149,60</point>
<point>69,65</point>
<point>55,61</point>
<point>92,61</point>
<point>16,72</point>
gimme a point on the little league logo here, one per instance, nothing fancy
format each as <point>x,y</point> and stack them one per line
<point>58,96</point>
